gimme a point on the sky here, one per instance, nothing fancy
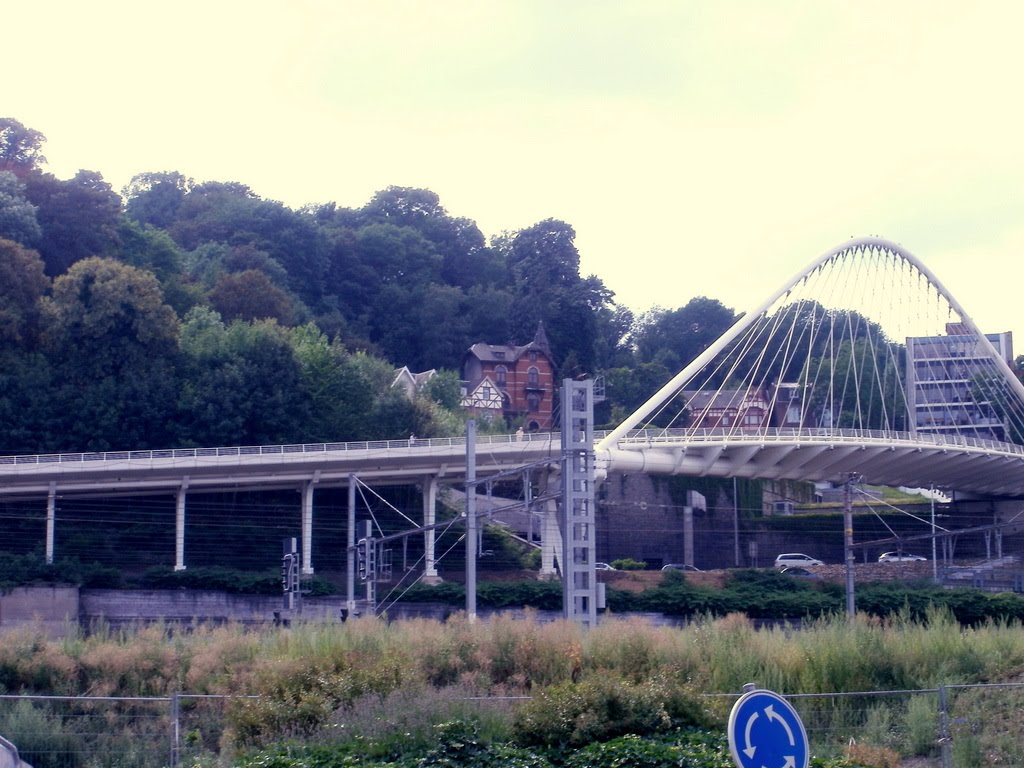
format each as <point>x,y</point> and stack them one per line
<point>697,148</point>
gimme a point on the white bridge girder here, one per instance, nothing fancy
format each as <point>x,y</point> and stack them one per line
<point>898,461</point>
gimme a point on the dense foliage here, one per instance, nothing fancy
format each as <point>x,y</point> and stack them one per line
<point>184,313</point>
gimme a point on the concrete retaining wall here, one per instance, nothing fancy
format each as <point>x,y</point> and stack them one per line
<point>52,608</point>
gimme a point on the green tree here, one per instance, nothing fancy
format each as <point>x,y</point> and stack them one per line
<point>340,399</point>
<point>677,337</point>
<point>17,215</point>
<point>23,282</point>
<point>465,260</point>
<point>250,295</point>
<point>547,287</point>
<point>155,198</point>
<point>230,213</point>
<point>20,147</point>
<point>241,383</point>
<point>112,342</point>
<point>78,217</point>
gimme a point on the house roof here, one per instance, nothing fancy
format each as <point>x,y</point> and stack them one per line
<point>501,353</point>
<point>405,377</point>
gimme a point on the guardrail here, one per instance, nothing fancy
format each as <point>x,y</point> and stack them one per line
<point>644,437</point>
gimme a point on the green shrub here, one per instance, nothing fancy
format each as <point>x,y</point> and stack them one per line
<point>628,564</point>
<point>922,726</point>
<point>41,738</point>
<point>459,744</point>
<point>601,708</point>
<point>227,580</point>
<point>686,748</point>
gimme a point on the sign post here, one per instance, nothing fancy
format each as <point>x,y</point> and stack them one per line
<point>766,732</point>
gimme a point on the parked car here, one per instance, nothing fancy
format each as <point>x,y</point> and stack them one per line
<point>796,559</point>
<point>900,557</point>
<point>603,567</point>
<point>801,572</point>
<point>681,567</point>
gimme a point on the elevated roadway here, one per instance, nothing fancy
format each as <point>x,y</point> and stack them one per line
<point>882,458</point>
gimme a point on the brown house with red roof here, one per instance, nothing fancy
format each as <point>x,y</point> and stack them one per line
<point>523,375</point>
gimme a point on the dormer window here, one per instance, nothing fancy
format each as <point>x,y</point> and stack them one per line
<point>499,355</point>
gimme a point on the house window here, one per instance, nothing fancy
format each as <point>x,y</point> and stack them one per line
<point>488,394</point>
<point>533,376</point>
<point>533,355</point>
<point>533,402</point>
<point>500,373</point>
<point>499,355</point>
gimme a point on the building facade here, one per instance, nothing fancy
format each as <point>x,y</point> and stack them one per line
<point>522,376</point>
<point>944,376</point>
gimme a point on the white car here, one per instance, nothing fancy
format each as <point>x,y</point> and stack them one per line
<point>603,567</point>
<point>900,557</point>
<point>796,560</point>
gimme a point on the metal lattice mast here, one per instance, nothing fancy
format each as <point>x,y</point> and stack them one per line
<point>579,550</point>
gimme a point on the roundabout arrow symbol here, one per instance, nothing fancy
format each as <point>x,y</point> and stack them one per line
<point>750,748</point>
<point>773,715</point>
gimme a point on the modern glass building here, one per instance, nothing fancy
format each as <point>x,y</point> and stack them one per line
<point>950,383</point>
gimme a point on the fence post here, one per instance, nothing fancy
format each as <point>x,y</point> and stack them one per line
<point>944,745</point>
<point>175,729</point>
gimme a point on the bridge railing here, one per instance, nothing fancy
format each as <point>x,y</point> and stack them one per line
<point>272,450</point>
<point>638,438</point>
<point>652,437</point>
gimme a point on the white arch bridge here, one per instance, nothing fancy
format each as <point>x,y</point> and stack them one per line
<point>862,363</point>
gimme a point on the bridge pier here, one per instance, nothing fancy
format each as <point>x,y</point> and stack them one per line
<point>550,540</point>
<point>179,526</point>
<point>307,525</point>
<point>429,490</point>
<point>51,521</point>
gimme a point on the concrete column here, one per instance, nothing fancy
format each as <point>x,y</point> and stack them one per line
<point>51,521</point>
<point>429,487</point>
<point>179,527</point>
<point>550,540</point>
<point>307,527</point>
<point>350,567</point>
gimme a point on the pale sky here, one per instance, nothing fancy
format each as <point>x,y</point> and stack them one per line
<point>698,148</point>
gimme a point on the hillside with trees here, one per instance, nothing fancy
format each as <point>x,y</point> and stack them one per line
<point>179,313</point>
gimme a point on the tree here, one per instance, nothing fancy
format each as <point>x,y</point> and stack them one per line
<point>465,261</point>
<point>20,147</point>
<point>547,286</point>
<point>250,295</point>
<point>112,342</point>
<point>340,399</point>
<point>230,213</point>
<point>17,215</point>
<point>241,383</point>
<point>78,218</point>
<point>684,332</point>
<point>155,198</point>
<point>22,283</point>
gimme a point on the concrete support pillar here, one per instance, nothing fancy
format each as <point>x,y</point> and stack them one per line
<point>350,567</point>
<point>51,521</point>
<point>429,488</point>
<point>307,527</point>
<point>179,527</point>
<point>550,541</point>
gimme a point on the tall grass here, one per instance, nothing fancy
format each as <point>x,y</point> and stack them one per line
<point>316,676</point>
<point>506,654</point>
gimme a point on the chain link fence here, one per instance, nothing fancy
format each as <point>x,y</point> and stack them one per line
<point>954,726</point>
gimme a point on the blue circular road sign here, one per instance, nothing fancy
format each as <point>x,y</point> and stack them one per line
<point>766,732</point>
